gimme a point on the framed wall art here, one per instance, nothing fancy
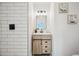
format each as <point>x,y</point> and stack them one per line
<point>63,7</point>
<point>72,19</point>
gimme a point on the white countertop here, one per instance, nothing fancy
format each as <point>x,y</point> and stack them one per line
<point>42,34</point>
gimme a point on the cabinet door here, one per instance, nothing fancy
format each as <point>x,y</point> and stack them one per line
<point>37,46</point>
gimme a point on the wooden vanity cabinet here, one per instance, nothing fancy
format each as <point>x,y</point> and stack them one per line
<point>41,44</point>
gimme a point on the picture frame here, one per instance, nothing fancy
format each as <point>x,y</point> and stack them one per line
<point>63,7</point>
<point>72,19</point>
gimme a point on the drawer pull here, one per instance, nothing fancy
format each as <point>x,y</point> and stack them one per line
<point>45,46</point>
<point>45,50</point>
<point>45,41</point>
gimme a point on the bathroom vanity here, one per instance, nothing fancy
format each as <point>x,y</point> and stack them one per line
<point>41,44</point>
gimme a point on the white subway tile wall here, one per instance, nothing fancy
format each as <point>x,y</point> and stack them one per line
<point>13,42</point>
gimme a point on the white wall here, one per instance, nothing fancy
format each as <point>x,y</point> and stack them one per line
<point>66,35</point>
<point>13,42</point>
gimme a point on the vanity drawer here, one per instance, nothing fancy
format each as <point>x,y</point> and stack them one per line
<point>46,42</point>
<point>46,47</point>
<point>46,51</point>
